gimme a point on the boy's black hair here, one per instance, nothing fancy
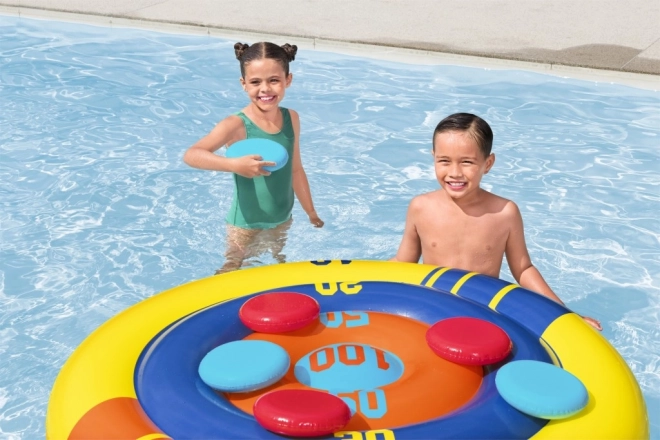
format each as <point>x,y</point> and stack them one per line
<point>473,124</point>
<point>258,51</point>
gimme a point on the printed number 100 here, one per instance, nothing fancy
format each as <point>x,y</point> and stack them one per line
<point>376,434</point>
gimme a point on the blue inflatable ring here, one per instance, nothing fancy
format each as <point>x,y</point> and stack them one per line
<point>136,376</point>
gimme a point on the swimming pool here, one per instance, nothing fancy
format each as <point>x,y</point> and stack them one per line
<point>99,212</point>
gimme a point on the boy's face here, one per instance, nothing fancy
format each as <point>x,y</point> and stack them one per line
<point>459,163</point>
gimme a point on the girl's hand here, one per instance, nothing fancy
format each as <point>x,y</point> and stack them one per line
<point>251,166</point>
<point>315,220</point>
<point>593,322</point>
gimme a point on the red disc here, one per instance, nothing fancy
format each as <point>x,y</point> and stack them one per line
<point>469,341</point>
<point>279,312</point>
<point>301,413</point>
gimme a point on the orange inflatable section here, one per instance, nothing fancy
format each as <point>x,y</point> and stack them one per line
<point>119,418</point>
<point>429,387</point>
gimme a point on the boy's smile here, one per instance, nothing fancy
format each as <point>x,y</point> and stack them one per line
<point>459,163</point>
<point>458,186</point>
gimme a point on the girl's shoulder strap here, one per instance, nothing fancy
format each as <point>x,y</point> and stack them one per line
<point>247,122</point>
<point>287,123</point>
<point>286,116</point>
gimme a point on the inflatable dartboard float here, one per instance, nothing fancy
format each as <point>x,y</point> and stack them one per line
<point>346,349</point>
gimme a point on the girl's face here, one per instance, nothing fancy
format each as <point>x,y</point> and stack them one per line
<point>459,163</point>
<point>265,83</point>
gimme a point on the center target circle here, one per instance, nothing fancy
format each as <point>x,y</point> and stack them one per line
<point>347,367</point>
<point>389,370</point>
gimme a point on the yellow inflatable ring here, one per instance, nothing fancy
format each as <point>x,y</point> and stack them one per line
<point>96,396</point>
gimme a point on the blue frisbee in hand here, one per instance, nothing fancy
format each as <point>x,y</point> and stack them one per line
<point>270,151</point>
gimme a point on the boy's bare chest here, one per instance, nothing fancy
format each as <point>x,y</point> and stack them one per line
<point>483,234</point>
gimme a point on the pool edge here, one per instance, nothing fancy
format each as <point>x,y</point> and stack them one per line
<point>380,52</point>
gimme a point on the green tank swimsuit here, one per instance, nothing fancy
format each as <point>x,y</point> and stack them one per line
<point>265,201</point>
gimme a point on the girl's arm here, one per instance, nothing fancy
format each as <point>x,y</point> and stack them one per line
<point>300,182</point>
<point>201,154</point>
<point>520,262</point>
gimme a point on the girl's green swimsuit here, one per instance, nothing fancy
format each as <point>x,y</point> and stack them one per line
<point>265,201</point>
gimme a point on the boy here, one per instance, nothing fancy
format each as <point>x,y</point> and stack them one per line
<point>462,225</point>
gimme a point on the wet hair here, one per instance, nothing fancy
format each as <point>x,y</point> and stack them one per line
<point>473,125</point>
<point>259,51</point>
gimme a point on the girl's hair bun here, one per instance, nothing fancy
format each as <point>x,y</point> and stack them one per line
<point>291,51</point>
<point>240,48</point>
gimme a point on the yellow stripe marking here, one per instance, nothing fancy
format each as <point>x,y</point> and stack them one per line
<point>435,276</point>
<point>462,281</point>
<point>154,436</point>
<point>499,295</point>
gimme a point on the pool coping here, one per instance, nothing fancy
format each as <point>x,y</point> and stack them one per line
<point>373,51</point>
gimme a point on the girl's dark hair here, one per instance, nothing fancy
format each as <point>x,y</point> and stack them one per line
<point>258,51</point>
<point>473,125</point>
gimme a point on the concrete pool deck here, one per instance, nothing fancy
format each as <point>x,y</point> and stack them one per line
<point>604,39</point>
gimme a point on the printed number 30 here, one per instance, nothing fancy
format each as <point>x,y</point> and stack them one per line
<point>328,289</point>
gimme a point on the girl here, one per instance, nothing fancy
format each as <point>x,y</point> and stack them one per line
<point>260,214</point>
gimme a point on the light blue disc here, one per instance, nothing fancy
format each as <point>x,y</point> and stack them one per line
<point>541,389</point>
<point>242,366</point>
<point>270,151</point>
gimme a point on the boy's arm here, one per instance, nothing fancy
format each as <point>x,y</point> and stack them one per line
<point>518,257</point>
<point>520,263</point>
<point>300,182</point>
<point>410,248</point>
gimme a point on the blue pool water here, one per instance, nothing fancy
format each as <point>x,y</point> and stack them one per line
<point>98,211</point>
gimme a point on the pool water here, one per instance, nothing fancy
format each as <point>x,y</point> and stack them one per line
<point>98,210</point>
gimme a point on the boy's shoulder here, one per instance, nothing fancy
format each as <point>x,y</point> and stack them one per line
<point>420,198</point>
<point>423,201</point>
<point>496,203</point>
<point>492,197</point>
